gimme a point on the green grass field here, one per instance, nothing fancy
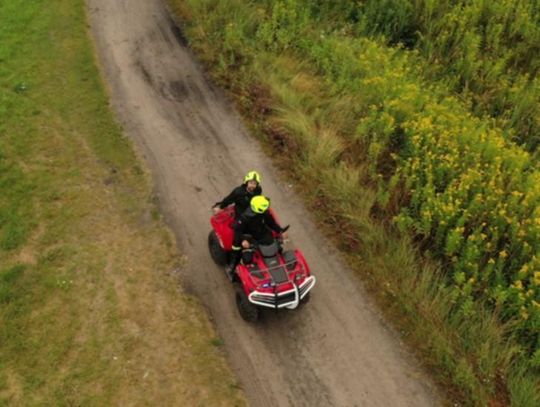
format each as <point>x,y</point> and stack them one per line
<point>87,286</point>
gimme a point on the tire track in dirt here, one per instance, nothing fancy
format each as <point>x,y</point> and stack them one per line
<point>335,351</point>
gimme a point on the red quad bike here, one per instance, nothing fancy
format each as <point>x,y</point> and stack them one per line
<point>273,279</point>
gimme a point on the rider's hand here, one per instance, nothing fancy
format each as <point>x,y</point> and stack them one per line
<point>245,244</point>
<point>284,235</point>
<point>217,209</point>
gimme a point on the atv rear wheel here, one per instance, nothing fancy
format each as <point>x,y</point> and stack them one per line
<point>219,255</point>
<point>248,311</point>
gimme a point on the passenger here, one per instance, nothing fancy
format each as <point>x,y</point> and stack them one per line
<point>241,195</point>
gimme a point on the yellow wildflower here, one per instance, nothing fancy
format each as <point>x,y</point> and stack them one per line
<point>523,312</point>
<point>537,277</point>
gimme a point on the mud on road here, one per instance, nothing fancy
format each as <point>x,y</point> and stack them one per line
<point>335,351</point>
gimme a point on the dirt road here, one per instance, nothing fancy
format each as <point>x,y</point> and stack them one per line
<point>336,351</point>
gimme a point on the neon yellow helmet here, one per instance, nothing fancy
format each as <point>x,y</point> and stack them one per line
<point>259,204</point>
<point>252,176</point>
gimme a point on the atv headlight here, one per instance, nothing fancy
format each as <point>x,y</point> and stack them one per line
<point>266,284</point>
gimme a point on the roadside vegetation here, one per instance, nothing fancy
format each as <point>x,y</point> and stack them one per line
<point>433,193</point>
<point>90,308</point>
<point>488,52</point>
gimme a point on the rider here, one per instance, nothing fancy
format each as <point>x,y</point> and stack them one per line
<point>241,195</point>
<point>257,222</point>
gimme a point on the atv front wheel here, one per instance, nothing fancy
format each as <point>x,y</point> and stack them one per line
<point>305,300</point>
<point>216,251</point>
<point>247,310</point>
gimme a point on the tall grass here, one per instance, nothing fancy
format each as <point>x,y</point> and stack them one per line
<point>384,146</point>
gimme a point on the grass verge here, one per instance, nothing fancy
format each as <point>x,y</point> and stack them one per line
<point>90,308</point>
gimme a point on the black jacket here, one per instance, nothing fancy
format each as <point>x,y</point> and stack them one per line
<point>240,197</point>
<point>258,225</point>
